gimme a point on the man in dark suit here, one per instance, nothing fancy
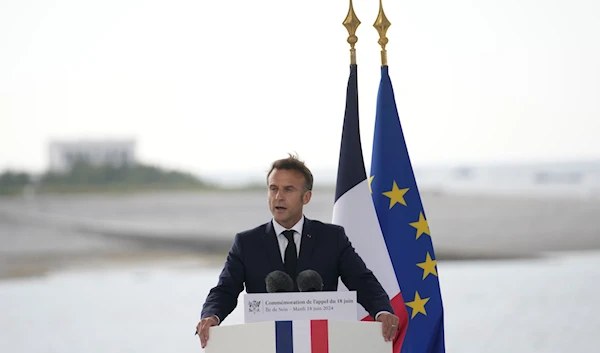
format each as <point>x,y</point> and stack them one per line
<point>292,243</point>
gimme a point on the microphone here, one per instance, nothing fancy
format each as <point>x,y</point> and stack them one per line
<point>279,282</point>
<point>309,281</point>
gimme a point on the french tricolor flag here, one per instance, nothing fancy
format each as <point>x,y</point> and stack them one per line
<point>354,210</point>
<point>319,336</point>
<point>301,336</point>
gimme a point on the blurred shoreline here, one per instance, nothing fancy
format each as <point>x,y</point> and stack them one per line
<point>51,232</point>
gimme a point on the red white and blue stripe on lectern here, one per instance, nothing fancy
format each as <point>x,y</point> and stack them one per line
<point>302,336</point>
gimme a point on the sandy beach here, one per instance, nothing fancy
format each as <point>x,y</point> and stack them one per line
<point>51,232</point>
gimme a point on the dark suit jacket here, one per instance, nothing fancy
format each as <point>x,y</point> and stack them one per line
<point>324,248</point>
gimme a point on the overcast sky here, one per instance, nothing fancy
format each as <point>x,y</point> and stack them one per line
<point>215,86</point>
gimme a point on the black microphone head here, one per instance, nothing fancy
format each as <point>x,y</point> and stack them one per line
<point>279,281</point>
<point>309,281</point>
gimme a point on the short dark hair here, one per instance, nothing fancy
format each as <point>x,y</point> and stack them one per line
<point>293,163</point>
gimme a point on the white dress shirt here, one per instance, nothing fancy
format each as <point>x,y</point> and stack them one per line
<point>282,240</point>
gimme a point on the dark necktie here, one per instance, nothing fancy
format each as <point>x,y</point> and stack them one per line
<point>290,258</point>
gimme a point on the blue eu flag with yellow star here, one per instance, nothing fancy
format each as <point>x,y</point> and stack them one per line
<point>404,225</point>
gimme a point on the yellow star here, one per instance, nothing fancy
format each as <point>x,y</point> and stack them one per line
<point>428,266</point>
<point>421,226</point>
<point>370,182</point>
<point>418,305</point>
<point>396,195</point>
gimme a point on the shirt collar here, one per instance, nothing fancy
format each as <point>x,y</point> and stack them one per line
<point>297,227</point>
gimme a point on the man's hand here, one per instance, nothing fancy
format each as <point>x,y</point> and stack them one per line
<point>203,326</point>
<point>389,325</point>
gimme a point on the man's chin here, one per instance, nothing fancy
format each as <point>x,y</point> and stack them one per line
<point>280,218</point>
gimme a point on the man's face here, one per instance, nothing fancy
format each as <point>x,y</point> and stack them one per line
<point>287,196</point>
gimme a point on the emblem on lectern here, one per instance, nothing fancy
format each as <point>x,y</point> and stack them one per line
<point>254,306</point>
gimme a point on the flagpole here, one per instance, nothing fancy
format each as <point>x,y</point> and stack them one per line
<point>351,23</point>
<point>381,25</point>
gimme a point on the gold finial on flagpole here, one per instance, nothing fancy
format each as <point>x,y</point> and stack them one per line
<point>351,23</point>
<point>382,24</point>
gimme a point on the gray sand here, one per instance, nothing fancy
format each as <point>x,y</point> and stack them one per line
<point>53,231</point>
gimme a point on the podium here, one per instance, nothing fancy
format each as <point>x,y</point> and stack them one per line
<point>316,322</point>
<point>299,336</point>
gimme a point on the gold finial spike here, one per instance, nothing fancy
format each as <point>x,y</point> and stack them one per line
<point>381,25</point>
<point>351,23</point>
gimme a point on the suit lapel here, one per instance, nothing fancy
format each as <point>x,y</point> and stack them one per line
<point>307,244</point>
<point>272,247</point>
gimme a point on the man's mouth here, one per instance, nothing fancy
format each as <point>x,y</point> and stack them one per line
<point>280,208</point>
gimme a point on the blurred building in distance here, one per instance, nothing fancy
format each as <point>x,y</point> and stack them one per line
<point>64,154</point>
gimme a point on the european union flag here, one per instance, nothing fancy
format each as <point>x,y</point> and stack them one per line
<point>404,225</point>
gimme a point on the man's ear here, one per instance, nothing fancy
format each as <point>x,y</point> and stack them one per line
<point>306,197</point>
